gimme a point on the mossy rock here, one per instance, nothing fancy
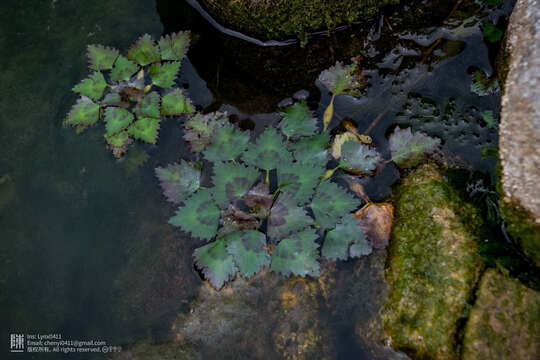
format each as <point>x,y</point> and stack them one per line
<point>278,19</point>
<point>266,317</point>
<point>504,321</point>
<point>520,224</point>
<point>433,266</point>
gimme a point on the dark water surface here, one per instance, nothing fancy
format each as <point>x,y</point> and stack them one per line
<point>86,248</point>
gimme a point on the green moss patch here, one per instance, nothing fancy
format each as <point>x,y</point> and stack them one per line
<point>504,322</point>
<point>283,18</point>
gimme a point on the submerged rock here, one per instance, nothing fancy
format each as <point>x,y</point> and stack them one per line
<point>146,350</point>
<point>504,321</point>
<point>433,266</point>
<point>276,19</point>
<point>267,317</point>
<point>520,128</point>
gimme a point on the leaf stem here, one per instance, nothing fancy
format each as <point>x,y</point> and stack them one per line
<point>330,172</point>
<point>267,180</point>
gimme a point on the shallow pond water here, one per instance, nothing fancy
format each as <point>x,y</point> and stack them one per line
<point>86,248</point>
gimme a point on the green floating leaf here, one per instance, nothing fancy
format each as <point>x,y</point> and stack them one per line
<point>215,262</point>
<point>118,142</point>
<point>163,75</point>
<point>359,157</point>
<point>297,255</point>
<point>179,181</point>
<point>117,119</point>
<point>268,152</point>
<point>114,99</point>
<point>248,250</point>
<point>123,69</point>
<point>298,120</point>
<point>300,180</point>
<point>148,106</point>
<point>286,217</point>
<point>175,104</point>
<point>100,57</point>
<point>491,32</point>
<point>174,46</point>
<point>488,118</point>
<point>331,203</point>
<point>347,239</point>
<point>145,129</point>
<point>312,150</point>
<point>410,149</point>
<point>343,79</point>
<point>92,87</point>
<point>232,181</point>
<point>227,143</point>
<point>199,215</point>
<point>198,130</point>
<point>83,114</point>
<point>144,51</point>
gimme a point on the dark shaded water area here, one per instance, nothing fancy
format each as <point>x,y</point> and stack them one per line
<point>86,248</point>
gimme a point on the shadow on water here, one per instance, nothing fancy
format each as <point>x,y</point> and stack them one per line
<point>86,251</point>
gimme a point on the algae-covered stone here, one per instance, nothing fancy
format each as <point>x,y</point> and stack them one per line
<point>523,229</point>
<point>299,334</point>
<point>520,223</point>
<point>504,321</point>
<point>282,18</point>
<point>433,266</point>
<point>266,317</point>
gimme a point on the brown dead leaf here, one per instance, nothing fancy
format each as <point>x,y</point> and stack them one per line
<point>376,221</point>
<point>351,127</point>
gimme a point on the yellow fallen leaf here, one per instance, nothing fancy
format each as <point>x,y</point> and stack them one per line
<point>328,113</point>
<point>339,140</point>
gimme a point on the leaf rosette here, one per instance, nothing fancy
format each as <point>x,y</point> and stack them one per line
<point>130,85</point>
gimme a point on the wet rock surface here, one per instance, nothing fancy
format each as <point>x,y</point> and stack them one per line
<point>433,266</point>
<point>520,116</point>
<point>504,321</point>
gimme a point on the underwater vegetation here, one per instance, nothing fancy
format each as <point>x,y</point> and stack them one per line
<point>131,93</point>
<point>272,200</point>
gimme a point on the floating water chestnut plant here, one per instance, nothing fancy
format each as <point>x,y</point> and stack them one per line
<point>131,93</point>
<point>342,79</point>
<point>272,202</point>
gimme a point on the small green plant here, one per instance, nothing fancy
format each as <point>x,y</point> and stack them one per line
<point>483,85</point>
<point>132,92</point>
<point>272,201</point>
<point>489,119</point>
<point>342,79</point>
<point>491,32</point>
